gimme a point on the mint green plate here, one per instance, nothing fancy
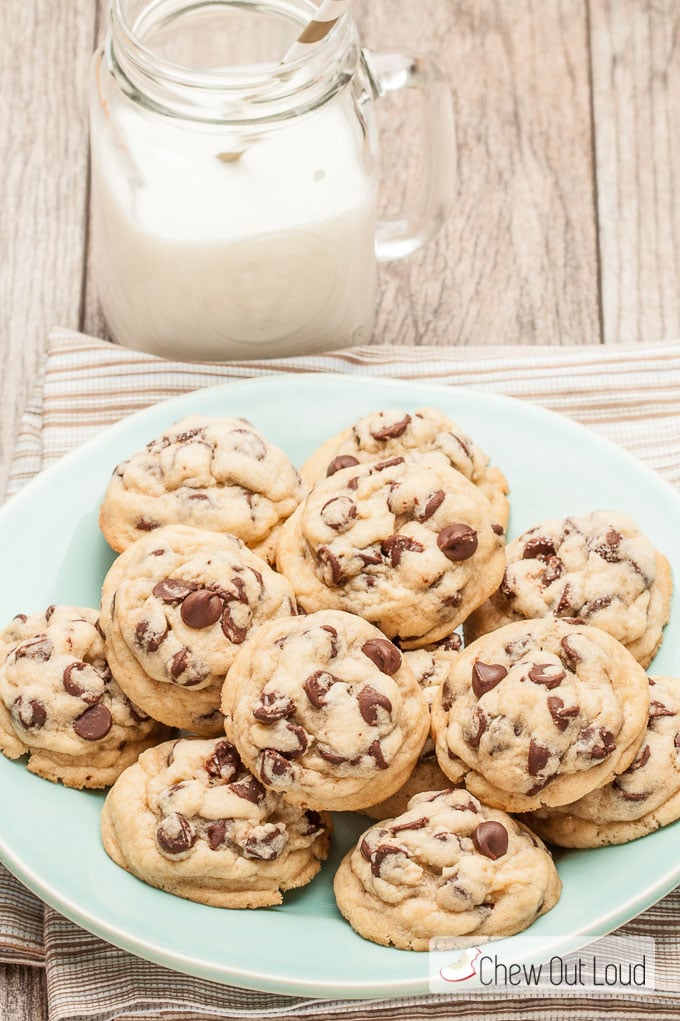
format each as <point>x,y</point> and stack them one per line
<point>51,551</point>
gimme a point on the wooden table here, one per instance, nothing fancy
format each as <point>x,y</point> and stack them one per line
<point>566,224</point>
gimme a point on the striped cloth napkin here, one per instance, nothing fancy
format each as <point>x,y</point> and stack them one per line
<point>630,395</point>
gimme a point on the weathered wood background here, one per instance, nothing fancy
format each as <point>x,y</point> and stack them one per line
<point>566,225</point>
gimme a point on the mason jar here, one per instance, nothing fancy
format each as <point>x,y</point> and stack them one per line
<point>234,196</point>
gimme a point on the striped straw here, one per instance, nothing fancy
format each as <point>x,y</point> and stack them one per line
<point>318,28</point>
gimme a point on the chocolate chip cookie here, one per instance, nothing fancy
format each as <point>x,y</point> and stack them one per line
<point>448,866</point>
<point>597,567</point>
<point>539,713</point>
<point>387,434</point>
<point>189,819</point>
<point>176,607</point>
<point>640,800</point>
<point>408,543</point>
<point>325,710</point>
<point>60,704</point>
<point>218,474</point>
<point>431,667</point>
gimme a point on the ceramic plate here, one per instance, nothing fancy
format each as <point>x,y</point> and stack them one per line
<point>51,551</point>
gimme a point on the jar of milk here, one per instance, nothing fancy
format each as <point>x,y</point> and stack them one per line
<point>234,196</point>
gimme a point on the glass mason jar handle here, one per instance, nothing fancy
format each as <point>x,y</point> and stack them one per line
<point>390,72</point>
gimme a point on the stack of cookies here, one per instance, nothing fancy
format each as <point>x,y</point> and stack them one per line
<point>272,646</point>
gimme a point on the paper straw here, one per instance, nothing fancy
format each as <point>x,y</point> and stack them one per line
<point>317,29</point>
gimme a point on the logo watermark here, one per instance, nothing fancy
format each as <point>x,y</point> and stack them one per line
<point>614,964</point>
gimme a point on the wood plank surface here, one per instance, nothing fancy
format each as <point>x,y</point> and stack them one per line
<point>636,105</point>
<point>517,261</point>
<point>44,57</point>
<point>22,993</point>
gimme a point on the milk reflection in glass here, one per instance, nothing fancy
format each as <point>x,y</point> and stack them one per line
<point>199,248</point>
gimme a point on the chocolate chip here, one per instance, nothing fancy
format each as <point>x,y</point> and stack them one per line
<point>599,742</point>
<point>394,545</point>
<point>560,715</point>
<point>173,590</point>
<point>628,795</point>
<point>30,712</point>
<point>274,769</point>
<point>236,635</point>
<point>391,432</point>
<point>201,609</point>
<point>549,674</point>
<point>641,760</point>
<point>609,549</point>
<point>447,697</point>
<point>369,701</point>
<point>376,751</point>
<point>249,789</point>
<point>147,639</point>
<point>658,709</point>
<point>329,560</point>
<point>94,723</point>
<point>552,571</point>
<point>381,852</point>
<point>339,512</point>
<point>480,721</point>
<point>216,833</point>
<point>274,706</point>
<point>370,558</point>
<point>365,849</point>
<point>340,462</point>
<point>539,547</point>
<point>70,682</point>
<point>22,618</point>
<point>468,807</point>
<point>146,525</point>
<point>491,839</point>
<point>434,502</point>
<point>540,786</point>
<point>565,605</point>
<point>453,600</point>
<point>317,686</point>
<point>334,639</point>
<point>538,757</point>
<point>180,662</point>
<point>39,648</point>
<point>198,432</point>
<point>505,588</point>
<point>300,735</point>
<point>384,654</point>
<point>315,823</point>
<point>485,677</point>
<point>175,834</point>
<point>330,756</point>
<point>457,542</point>
<point>599,603</point>
<point>49,611</point>
<point>498,529</point>
<point>224,762</point>
<point>381,465</point>
<point>416,824</point>
<point>571,654</point>
<point>266,842</point>
<point>676,741</point>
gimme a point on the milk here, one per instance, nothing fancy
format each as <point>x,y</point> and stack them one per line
<point>203,253</point>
